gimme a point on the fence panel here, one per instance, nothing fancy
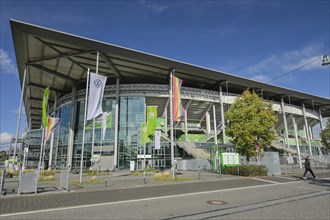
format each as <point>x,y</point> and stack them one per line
<point>64,179</point>
<point>28,182</point>
<point>272,161</point>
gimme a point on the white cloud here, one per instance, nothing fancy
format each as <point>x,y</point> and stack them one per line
<point>278,64</point>
<point>7,64</point>
<point>261,78</point>
<point>5,138</point>
<point>155,7</point>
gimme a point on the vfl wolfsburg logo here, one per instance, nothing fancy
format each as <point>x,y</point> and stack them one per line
<point>97,83</point>
<point>151,115</point>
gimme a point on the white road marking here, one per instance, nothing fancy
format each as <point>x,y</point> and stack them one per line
<point>130,201</point>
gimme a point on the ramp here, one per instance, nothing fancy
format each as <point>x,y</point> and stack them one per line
<point>321,159</point>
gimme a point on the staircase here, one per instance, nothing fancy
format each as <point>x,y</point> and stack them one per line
<point>164,137</point>
<point>191,149</point>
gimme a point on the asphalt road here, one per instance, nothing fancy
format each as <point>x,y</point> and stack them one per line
<point>243,198</point>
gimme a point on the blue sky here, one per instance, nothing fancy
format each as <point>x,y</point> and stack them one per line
<point>254,39</point>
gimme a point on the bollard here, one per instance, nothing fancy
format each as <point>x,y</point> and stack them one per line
<point>199,172</point>
<point>106,182</point>
<point>220,174</point>
<point>144,176</point>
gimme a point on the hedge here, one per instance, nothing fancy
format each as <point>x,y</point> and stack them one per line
<point>247,170</point>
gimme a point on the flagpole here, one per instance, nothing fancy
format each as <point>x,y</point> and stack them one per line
<point>19,115</point>
<point>56,152</point>
<point>93,138</point>
<point>83,137</point>
<point>101,140</point>
<point>41,148</point>
<point>171,121</point>
<point>93,134</point>
<point>52,139</point>
<point>44,150</point>
<point>144,145</point>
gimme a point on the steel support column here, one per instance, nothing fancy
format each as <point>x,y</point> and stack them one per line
<point>223,127</point>
<point>19,114</point>
<point>186,125</point>
<point>307,133</point>
<point>321,119</point>
<point>297,141</point>
<point>285,124</point>
<point>215,128</point>
<point>116,126</point>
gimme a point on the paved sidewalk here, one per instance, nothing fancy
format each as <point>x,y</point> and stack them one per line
<point>115,180</point>
<point>120,180</point>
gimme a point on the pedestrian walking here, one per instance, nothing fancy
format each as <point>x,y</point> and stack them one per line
<point>308,167</point>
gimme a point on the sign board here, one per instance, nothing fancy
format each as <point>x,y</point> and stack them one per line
<point>132,165</point>
<point>230,159</point>
<point>141,156</point>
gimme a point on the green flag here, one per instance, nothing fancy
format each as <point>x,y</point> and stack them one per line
<point>144,136</point>
<point>44,108</point>
<point>109,120</point>
<point>160,124</point>
<point>98,122</point>
<point>151,119</point>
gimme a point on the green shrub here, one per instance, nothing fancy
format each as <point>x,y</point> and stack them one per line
<point>91,172</point>
<point>47,173</point>
<point>167,176</point>
<point>247,170</point>
<point>46,178</point>
<point>92,180</point>
<point>140,173</point>
<point>11,172</point>
<point>29,170</point>
<point>150,169</point>
<point>96,173</point>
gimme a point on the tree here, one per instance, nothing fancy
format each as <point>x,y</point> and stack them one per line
<point>325,135</point>
<point>251,124</point>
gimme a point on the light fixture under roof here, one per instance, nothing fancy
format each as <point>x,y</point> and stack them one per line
<point>325,60</point>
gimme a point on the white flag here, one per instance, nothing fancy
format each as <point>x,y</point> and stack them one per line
<point>157,140</point>
<point>96,91</point>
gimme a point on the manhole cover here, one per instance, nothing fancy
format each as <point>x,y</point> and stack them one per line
<point>216,202</point>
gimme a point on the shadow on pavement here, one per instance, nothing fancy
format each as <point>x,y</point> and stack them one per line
<point>316,181</point>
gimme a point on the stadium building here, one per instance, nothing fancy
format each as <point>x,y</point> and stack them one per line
<point>49,58</point>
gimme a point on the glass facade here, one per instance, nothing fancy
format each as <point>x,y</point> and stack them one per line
<point>131,117</point>
<point>61,140</point>
<point>130,148</point>
<point>108,105</point>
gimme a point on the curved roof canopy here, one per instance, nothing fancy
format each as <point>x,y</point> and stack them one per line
<point>60,60</point>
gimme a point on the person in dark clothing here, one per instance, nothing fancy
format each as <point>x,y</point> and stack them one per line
<point>308,167</point>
